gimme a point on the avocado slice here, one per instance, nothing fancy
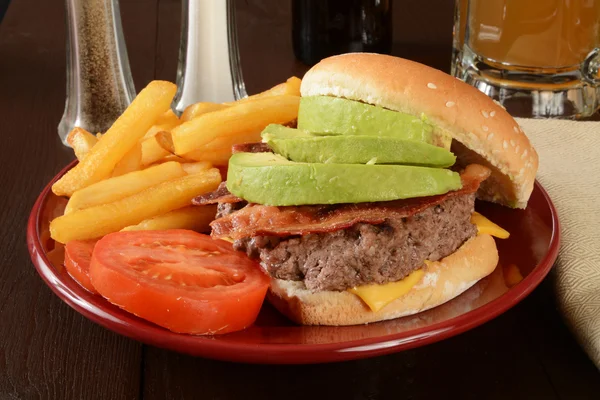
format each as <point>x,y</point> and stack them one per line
<point>299,145</point>
<point>324,115</point>
<point>267,178</point>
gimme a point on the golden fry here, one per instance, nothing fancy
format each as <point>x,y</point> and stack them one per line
<point>195,167</point>
<point>290,87</point>
<point>165,141</point>
<point>293,86</point>
<point>81,141</point>
<point>152,151</point>
<point>130,163</point>
<point>215,157</point>
<point>122,136</point>
<point>165,122</point>
<point>195,110</point>
<point>228,141</point>
<point>248,117</point>
<point>113,189</point>
<point>195,218</point>
<point>512,275</point>
<point>173,157</point>
<point>101,220</point>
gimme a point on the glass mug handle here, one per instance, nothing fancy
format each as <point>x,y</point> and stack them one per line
<point>590,71</point>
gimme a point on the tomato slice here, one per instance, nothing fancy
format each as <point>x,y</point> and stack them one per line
<point>78,254</point>
<point>181,280</point>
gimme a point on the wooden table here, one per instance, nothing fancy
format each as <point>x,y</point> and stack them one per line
<point>49,351</point>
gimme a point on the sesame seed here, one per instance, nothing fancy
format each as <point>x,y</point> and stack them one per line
<point>450,104</point>
<point>490,136</point>
<point>517,149</point>
<point>505,144</point>
<point>431,86</point>
<point>492,113</point>
<point>485,114</point>
<point>499,104</point>
<point>524,154</point>
<point>516,129</point>
<point>521,171</point>
<point>512,143</point>
<point>485,128</point>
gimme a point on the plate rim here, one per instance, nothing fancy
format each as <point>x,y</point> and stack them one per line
<point>277,353</point>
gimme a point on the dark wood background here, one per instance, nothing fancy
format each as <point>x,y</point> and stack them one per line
<point>49,351</point>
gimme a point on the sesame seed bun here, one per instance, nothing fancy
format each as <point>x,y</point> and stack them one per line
<point>483,132</point>
<point>443,280</point>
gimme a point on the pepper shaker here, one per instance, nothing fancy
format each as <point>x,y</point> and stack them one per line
<point>99,82</point>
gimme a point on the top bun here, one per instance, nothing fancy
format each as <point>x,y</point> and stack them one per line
<point>483,132</point>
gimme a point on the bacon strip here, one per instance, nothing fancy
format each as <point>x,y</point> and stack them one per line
<point>260,220</point>
<point>221,195</point>
<point>251,148</point>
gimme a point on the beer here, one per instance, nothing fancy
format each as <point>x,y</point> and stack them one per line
<point>536,34</point>
<point>536,57</point>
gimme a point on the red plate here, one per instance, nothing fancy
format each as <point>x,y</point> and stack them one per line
<point>533,247</point>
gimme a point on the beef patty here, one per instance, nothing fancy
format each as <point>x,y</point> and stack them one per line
<point>365,253</point>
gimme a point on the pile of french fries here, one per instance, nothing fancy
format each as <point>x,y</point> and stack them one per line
<point>144,171</point>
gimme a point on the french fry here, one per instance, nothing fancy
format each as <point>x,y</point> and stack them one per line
<point>132,161</point>
<point>512,275</point>
<point>152,151</point>
<point>195,218</point>
<point>218,151</point>
<point>165,122</point>
<point>173,157</point>
<point>293,86</point>
<point>81,141</point>
<point>165,141</point>
<point>113,189</point>
<point>195,167</point>
<point>164,146</point>
<point>215,157</point>
<point>120,138</point>
<point>103,219</point>
<point>228,141</point>
<point>248,117</point>
<point>195,110</point>
<point>290,87</point>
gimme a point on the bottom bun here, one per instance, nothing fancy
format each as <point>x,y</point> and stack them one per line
<point>443,280</point>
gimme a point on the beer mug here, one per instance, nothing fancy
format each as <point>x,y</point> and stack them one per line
<point>538,58</point>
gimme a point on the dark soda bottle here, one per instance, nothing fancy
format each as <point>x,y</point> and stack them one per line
<point>322,28</point>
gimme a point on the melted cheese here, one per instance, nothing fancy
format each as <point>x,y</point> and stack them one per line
<point>484,225</point>
<point>378,296</point>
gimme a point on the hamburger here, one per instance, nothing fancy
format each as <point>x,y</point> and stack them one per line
<point>365,212</point>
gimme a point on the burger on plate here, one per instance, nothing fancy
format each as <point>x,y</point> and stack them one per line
<point>365,211</point>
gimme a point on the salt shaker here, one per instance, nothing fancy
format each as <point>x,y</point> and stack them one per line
<point>99,82</point>
<point>209,62</point>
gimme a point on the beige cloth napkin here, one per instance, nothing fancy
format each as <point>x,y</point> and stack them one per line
<point>570,171</point>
